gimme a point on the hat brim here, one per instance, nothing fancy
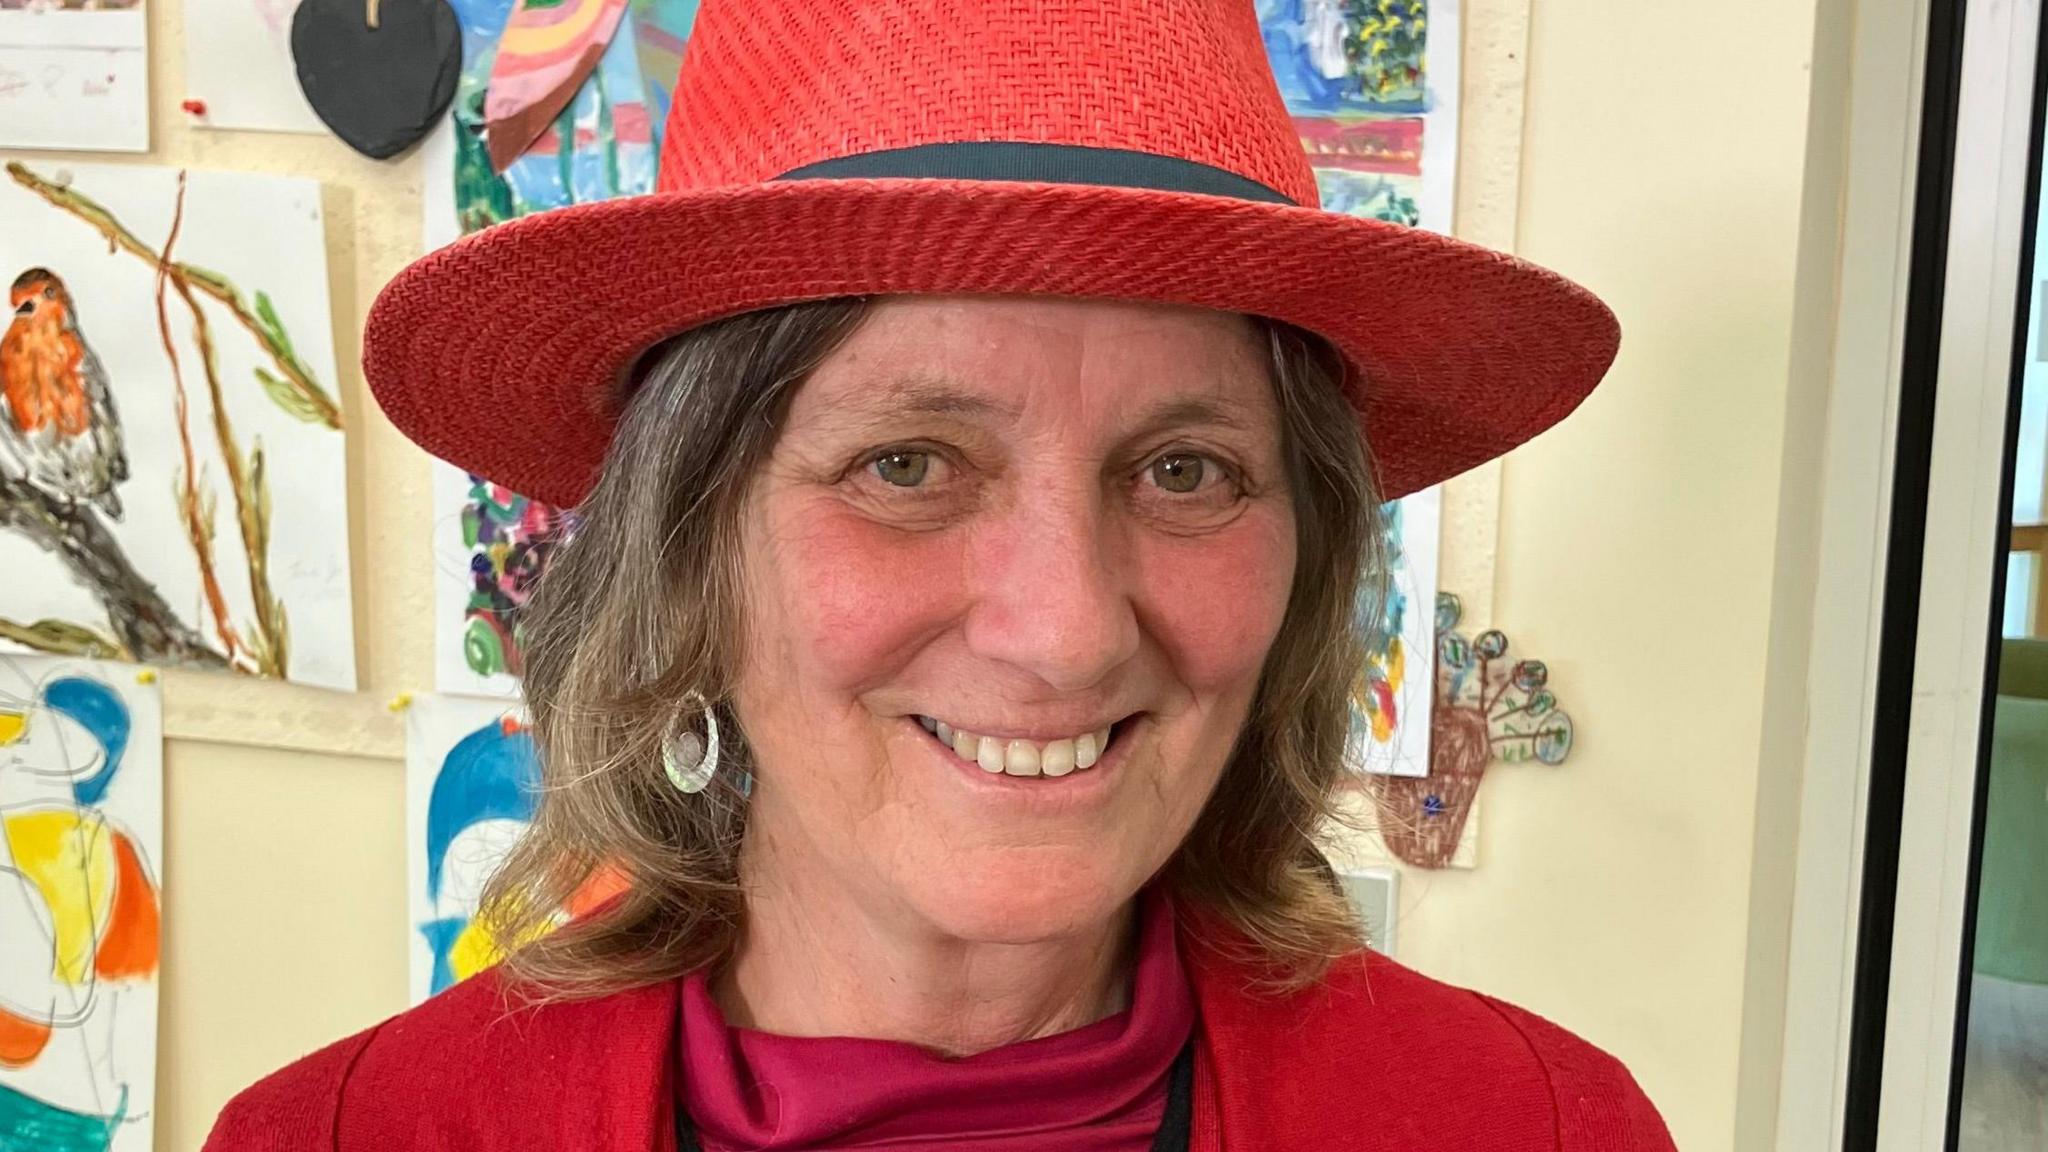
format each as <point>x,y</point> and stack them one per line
<point>503,352</point>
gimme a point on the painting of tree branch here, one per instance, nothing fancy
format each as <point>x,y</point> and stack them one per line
<point>172,469</point>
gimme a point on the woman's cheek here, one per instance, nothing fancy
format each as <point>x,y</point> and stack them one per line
<point>860,598</point>
<point>1215,602</point>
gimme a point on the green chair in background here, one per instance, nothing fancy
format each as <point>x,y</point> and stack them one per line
<point>2012,897</point>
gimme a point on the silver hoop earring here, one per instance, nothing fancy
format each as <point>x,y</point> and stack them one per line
<point>687,759</point>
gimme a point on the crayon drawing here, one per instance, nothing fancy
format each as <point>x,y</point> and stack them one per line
<point>81,830</point>
<point>172,473</point>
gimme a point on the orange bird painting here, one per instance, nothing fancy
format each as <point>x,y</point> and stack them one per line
<point>58,427</point>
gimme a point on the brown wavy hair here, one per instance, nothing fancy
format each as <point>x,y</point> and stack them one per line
<point>641,607</point>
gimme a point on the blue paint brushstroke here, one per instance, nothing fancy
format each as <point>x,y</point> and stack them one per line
<point>100,711</point>
<point>441,936</point>
<point>489,775</point>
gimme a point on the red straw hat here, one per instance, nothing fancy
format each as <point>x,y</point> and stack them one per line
<point>1125,149</point>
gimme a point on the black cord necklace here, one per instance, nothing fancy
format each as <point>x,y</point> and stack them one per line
<point>1173,1131</point>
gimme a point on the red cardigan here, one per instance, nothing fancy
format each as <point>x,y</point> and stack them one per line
<point>1374,1057</point>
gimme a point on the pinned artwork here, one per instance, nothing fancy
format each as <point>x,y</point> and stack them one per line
<point>1373,86</point>
<point>74,74</point>
<point>172,477</point>
<point>490,547</point>
<point>1390,699</point>
<point>491,544</point>
<point>239,74</point>
<point>81,904</point>
<point>604,142</point>
<point>377,72</point>
<point>1487,709</point>
<point>546,51</point>
<point>471,781</point>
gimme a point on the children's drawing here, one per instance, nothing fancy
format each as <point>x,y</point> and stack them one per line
<point>172,476</point>
<point>241,69</point>
<point>1487,709</point>
<point>81,830</point>
<point>491,544</point>
<point>1373,86</point>
<point>1390,698</point>
<point>604,142</point>
<point>471,780</point>
<point>74,74</point>
<point>544,54</point>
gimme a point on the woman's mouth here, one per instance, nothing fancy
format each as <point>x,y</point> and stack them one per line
<point>1023,757</point>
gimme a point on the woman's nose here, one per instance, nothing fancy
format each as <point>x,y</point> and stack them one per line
<point>1052,592</point>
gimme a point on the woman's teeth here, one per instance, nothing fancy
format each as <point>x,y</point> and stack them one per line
<point>1021,757</point>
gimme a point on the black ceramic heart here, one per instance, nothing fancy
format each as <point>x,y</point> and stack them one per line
<point>380,89</point>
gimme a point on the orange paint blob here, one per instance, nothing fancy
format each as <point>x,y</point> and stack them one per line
<point>21,1041</point>
<point>129,948</point>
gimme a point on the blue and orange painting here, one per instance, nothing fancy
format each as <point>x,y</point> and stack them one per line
<point>80,912</point>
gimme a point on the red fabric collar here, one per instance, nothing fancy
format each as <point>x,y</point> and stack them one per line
<point>1100,1087</point>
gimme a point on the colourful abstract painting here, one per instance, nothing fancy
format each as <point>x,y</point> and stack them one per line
<point>81,904</point>
<point>173,475</point>
<point>491,544</point>
<point>1390,697</point>
<point>1373,86</point>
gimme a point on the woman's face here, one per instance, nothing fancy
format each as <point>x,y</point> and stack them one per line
<point>1027,521</point>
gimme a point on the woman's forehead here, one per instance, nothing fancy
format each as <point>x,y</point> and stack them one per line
<point>1006,358</point>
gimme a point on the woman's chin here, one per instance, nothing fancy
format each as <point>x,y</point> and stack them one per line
<point>1018,897</point>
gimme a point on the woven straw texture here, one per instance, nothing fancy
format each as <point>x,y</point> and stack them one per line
<point>503,352</point>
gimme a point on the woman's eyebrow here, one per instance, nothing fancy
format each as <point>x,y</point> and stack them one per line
<point>1194,411</point>
<point>883,403</point>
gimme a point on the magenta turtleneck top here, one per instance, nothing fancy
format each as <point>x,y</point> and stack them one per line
<point>1099,1088</point>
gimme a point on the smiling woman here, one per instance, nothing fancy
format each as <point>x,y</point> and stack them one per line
<point>949,669</point>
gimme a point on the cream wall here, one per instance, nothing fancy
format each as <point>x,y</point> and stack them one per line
<point>1662,164</point>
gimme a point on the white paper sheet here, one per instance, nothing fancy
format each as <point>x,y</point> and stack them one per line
<point>74,79</point>
<point>242,66</point>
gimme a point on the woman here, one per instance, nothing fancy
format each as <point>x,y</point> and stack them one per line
<point>949,667</point>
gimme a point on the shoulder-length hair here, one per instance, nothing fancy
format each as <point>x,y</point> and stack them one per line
<point>641,607</point>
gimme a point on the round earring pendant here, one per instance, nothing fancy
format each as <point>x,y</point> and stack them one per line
<point>690,761</point>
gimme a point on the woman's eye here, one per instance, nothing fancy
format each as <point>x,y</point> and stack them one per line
<point>903,469</point>
<point>1179,471</point>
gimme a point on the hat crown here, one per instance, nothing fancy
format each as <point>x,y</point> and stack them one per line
<point>771,86</point>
